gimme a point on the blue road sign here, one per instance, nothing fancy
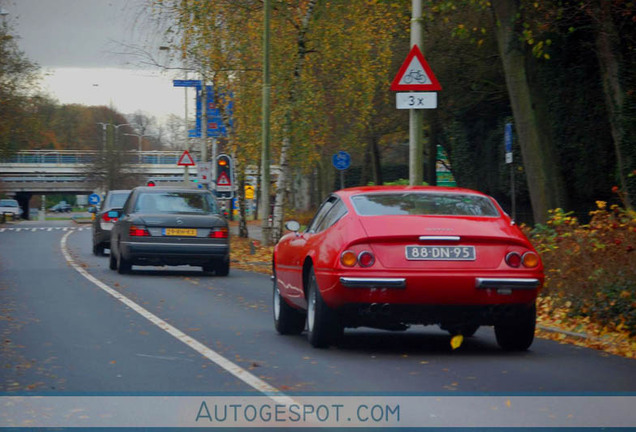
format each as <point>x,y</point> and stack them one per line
<point>186,83</point>
<point>341,160</point>
<point>94,199</point>
<point>508,137</point>
<point>508,142</point>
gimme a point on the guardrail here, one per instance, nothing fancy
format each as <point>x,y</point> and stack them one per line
<point>58,157</point>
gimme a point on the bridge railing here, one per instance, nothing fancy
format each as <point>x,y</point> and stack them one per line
<point>153,157</point>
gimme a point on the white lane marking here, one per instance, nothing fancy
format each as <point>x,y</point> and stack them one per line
<point>242,374</point>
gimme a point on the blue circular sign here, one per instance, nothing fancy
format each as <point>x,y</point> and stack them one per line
<point>341,160</point>
<point>94,199</point>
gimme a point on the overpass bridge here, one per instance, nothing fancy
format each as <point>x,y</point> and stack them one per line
<point>30,172</point>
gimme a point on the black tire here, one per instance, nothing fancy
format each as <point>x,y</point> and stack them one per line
<point>112,262</point>
<point>287,320</point>
<point>98,249</point>
<point>123,265</point>
<point>517,334</point>
<point>323,325</point>
<point>222,268</point>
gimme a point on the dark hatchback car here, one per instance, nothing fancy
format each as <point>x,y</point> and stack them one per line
<point>170,226</point>
<point>103,223</point>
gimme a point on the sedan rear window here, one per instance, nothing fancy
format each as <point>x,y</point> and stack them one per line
<point>175,202</point>
<point>118,199</point>
<point>420,203</point>
<point>8,203</point>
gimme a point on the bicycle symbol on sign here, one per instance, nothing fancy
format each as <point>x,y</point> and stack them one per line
<point>415,76</point>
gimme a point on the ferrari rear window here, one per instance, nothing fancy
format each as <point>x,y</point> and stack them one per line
<point>423,203</point>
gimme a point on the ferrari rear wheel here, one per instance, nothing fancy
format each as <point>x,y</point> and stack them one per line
<point>323,325</point>
<point>287,320</point>
<point>518,334</point>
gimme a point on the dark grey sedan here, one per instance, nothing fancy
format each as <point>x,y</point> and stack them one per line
<point>102,223</point>
<point>170,226</point>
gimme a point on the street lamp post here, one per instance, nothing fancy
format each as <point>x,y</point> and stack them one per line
<point>139,137</point>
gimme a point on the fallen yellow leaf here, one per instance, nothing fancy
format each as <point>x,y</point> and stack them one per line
<point>456,341</point>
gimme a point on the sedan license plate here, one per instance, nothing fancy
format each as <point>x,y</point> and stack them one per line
<point>440,253</point>
<point>182,232</point>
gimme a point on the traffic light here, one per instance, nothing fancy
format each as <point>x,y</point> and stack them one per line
<point>224,177</point>
<point>150,183</point>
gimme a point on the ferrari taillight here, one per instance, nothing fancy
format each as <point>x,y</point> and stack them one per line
<point>513,259</point>
<point>364,259</point>
<point>530,259</point>
<point>138,231</point>
<point>219,233</point>
<point>348,258</point>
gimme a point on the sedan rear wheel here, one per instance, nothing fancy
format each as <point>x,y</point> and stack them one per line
<point>287,320</point>
<point>517,334</point>
<point>98,249</point>
<point>112,262</point>
<point>222,267</point>
<point>323,325</point>
<point>123,265</point>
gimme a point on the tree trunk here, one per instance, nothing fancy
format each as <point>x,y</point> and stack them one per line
<point>608,53</point>
<point>544,179</point>
<point>375,161</point>
<point>283,178</point>
<point>242,226</point>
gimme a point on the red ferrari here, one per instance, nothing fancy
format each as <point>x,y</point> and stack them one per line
<point>390,257</point>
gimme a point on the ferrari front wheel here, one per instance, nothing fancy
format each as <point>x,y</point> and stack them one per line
<point>323,324</point>
<point>287,320</point>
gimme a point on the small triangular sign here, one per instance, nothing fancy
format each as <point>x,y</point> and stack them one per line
<point>223,180</point>
<point>186,159</point>
<point>415,74</point>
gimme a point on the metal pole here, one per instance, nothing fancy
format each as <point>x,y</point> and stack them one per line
<point>265,156</point>
<point>512,192</point>
<point>416,170</point>
<point>204,122</point>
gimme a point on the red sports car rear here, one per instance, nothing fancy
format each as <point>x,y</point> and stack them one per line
<point>390,257</point>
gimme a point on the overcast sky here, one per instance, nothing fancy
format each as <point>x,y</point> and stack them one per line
<point>76,43</point>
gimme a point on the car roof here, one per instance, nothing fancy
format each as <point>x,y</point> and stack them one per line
<point>380,189</point>
<point>168,189</point>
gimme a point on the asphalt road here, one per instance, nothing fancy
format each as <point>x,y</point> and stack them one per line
<point>63,330</point>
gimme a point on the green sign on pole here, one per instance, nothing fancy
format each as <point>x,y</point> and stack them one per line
<point>443,169</point>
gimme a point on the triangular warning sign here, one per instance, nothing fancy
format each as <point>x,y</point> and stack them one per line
<point>186,159</point>
<point>223,180</point>
<point>415,74</point>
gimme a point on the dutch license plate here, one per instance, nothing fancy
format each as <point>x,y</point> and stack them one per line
<point>440,253</point>
<point>183,232</point>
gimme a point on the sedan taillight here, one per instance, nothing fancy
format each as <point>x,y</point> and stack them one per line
<point>219,233</point>
<point>138,231</point>
<point>107,218</point>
